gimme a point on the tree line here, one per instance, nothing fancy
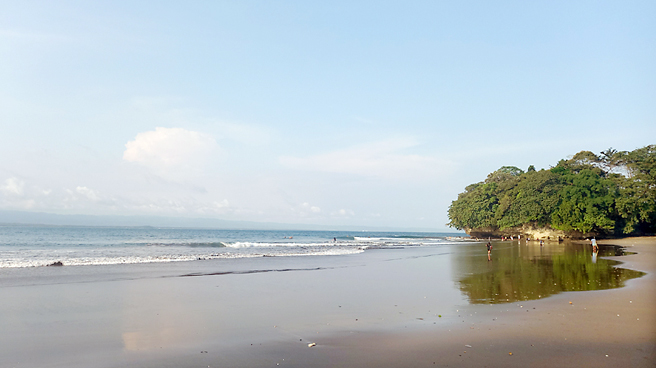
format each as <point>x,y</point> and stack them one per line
<point>612,193</point>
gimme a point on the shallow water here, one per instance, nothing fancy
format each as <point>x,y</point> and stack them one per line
<point>521,271</point>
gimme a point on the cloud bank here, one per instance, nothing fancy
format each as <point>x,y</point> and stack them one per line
<point>385,159</point>
<point>16,194</point>
<point>165,149</point>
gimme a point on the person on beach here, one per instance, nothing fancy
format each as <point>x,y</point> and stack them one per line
<point>489,250</point>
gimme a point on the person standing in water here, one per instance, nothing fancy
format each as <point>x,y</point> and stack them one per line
<point>595,248</point>
<point>489,250</point>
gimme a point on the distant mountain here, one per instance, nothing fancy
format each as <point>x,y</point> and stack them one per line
<point>42,218</point>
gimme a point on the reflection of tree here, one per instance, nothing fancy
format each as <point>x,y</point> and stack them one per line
<point>515,278</point>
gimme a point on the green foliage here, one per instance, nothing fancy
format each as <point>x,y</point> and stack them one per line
<point>614,192</point>
<point>636,204</point>
<point>504,173</point>
<point>642,164</point>
<point>475,207</point>
<point>532,200</point>
<point>586,203</point>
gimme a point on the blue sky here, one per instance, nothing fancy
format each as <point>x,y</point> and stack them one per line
<point>372,113</point>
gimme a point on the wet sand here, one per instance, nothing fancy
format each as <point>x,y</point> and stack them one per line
<point>384,308</point>
<point>607,328</point>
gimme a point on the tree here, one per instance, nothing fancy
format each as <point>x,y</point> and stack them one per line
<point>613,193</point>
<point>636,203</point>
<point>532,200</point>
<point>475,207</point>
<point>636,206</point>
<point>611,159</point>
<point>504,173</point>
<point>642,162</point>
<point>586,203</point>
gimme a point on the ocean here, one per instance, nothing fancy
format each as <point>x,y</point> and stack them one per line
<point>38,246</point>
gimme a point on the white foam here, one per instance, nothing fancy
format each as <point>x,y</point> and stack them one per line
<point>327,252</point>
<point>108,260</point>
<point>98,261</point>
<point>281,244</point>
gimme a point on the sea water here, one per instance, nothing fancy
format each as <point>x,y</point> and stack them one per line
<point>37,246</point>
<point>515,271</point>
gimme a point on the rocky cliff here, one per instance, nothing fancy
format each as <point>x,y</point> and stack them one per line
<point>527,230</point>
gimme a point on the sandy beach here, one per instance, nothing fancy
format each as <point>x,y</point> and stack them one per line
<point>608,328</point>
<point>384,307</point>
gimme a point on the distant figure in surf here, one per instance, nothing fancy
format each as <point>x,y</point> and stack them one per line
<point>489,250</point>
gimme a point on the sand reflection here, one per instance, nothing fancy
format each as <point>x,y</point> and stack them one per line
<point>528,272</point>
<point>157,315</point>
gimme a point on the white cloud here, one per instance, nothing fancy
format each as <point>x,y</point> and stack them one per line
<point>384,159</point>
<point>18,195</point>
<point>178,206</point>
<point>170,148</point>
<point>80,197</point>
<point>88,193</point>
<point>84,200</point>
<point>305,209</point>
<point>343,213</point>
<point>13,186</point>
<point>308,207</point>
<point>166,110</point>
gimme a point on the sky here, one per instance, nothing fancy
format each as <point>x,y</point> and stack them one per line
<point>335,113</point>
